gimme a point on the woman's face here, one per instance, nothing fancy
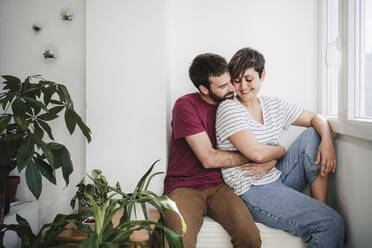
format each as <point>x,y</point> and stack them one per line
<point>248,85</point>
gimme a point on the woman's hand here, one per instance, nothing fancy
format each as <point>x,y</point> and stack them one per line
<point>258,170</point>
<point>326,153</point>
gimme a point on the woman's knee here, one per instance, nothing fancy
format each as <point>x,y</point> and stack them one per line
<point>334,227</point>
<point>338,227</point>
<point>310,140</point>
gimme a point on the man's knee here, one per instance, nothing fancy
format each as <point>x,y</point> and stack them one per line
<point>249,241</point>
<point>246,237</point>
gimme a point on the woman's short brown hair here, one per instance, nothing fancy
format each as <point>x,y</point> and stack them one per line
<point>246,58</point>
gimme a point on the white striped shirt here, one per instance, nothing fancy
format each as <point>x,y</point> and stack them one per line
<point>232,117</point>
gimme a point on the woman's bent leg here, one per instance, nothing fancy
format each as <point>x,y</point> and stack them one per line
<point>298,165</point>
<point>278,206</point>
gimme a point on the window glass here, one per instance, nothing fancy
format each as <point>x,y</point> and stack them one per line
<point>365,89</point>
<point>333,57</point>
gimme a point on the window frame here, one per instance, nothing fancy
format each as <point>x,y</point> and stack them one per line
<point>345,122</point>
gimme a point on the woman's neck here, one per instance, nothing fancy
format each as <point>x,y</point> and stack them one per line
<point>249,104</point>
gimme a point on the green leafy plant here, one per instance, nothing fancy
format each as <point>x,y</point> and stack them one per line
<point>97,191</point>
<point>23,131</point>
<point>106,235</point>
<point>45,237</point>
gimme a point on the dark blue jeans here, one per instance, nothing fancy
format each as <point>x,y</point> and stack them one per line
<point>281,204</point>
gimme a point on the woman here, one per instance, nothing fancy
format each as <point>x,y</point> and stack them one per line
<point>253,125</point>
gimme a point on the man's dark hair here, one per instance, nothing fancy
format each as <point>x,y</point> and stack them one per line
<point>207,65</point>
<point>246,58</point>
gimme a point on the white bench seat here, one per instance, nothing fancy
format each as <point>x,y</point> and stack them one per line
<point>212,235</point>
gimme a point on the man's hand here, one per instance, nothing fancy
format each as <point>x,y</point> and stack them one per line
<point>326,153</point>
<point>258,170</point>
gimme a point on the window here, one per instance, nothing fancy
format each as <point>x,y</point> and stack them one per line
<point>364,50</point>
<point>345,65</point>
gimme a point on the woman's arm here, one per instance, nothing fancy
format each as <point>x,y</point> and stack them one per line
<point>247,145</point>
<point>326,151</point>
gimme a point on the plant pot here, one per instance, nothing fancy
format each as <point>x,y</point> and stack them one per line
<point>12,185</point>
<point>91,222</point>
<point>84,204</point>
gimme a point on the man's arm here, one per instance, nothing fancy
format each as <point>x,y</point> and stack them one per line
<point>210,157</point>
<point>326,151</point>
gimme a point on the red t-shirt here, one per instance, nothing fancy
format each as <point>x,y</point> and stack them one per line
<point>191,115</point>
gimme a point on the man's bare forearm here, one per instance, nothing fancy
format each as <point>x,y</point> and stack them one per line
<point>225,159</point>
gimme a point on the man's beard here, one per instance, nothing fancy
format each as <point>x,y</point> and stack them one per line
<point>218,99</point>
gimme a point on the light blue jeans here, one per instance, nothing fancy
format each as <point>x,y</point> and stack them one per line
<point>281,204</point>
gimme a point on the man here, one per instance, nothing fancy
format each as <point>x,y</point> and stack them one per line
<point>194,178</point>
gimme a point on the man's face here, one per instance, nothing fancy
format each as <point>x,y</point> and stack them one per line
<point>221,88</point>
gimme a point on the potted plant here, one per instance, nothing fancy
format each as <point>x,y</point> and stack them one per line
<point>106,235</point>
<point>28,107</point>
<point>46,237</point>
<point>97,191</point>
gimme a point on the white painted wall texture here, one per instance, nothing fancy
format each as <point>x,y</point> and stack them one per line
<point>21,55</point>
<point>126,87</point>
<point>351,190</point>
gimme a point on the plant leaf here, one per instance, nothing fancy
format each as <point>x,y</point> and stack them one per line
<point>33,179</point>
<point>90,242</point>
<point>25,153</point>
<point>86,131</point>
<point>47,128</point>
<point>66,96</point>
<point>12,83</point>
<point>38,131</point>
<point>48,93</point>
<point>4,121</point>
<point>47,117</point>
<point>141,182</point>
<point>46,170</point>
<point>35,103</point>
<point>56,102</point>
<point>171,205</point>
<point>55,110</point>
<point>61,158</point>
<point>70,120</point>
<point>19,111</point>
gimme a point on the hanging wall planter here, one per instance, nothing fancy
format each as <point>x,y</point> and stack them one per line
<point>49,54</point>
<point>36,27</point>
<point>67,14</point>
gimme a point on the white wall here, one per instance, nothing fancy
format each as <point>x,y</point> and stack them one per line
<point>126,88</point>
<point>284,31</point>
<point>350,188</point>
<point>21,55</point>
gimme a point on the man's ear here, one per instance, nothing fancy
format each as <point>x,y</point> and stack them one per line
<point>203,89</point>
<point>263,74</point>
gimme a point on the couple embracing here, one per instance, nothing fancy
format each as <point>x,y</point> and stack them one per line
<point>226,161</point>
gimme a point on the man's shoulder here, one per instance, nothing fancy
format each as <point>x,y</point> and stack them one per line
<point>192,100</point>
<point>191,97</point>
